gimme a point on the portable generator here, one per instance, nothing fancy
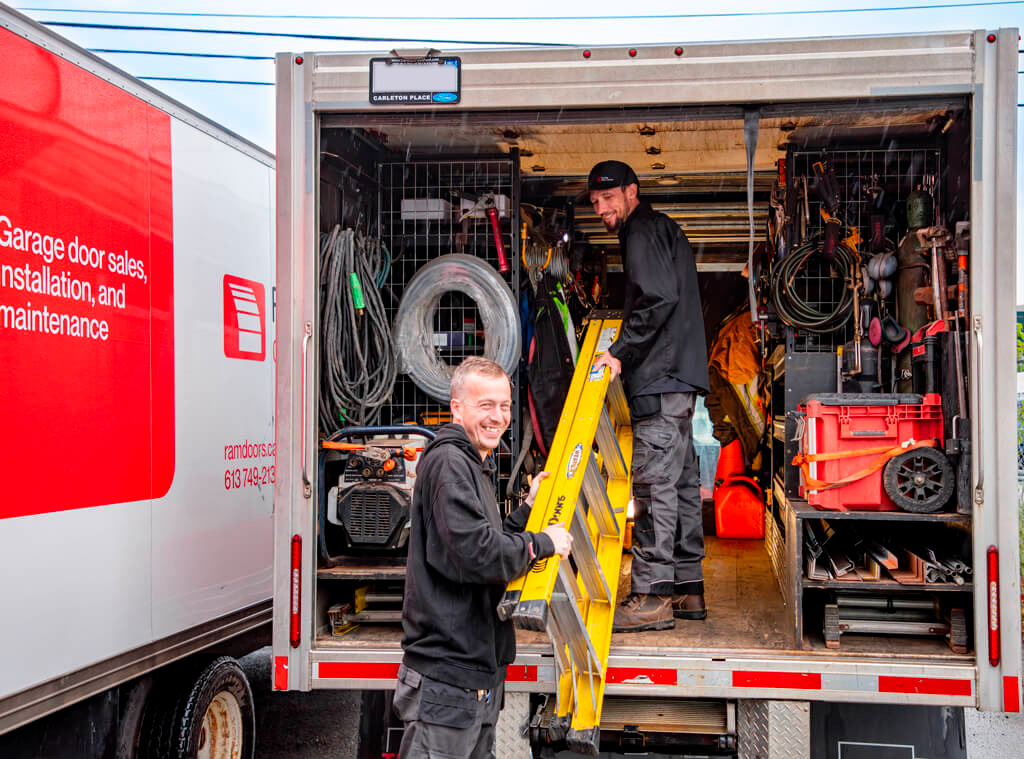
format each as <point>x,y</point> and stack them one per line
<point>367,476</point>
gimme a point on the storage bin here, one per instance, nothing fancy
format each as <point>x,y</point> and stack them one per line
<point>850,422</point>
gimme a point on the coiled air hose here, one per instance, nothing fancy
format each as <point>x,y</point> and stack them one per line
<point>795,310</point>
<point>357,364</point>
<point>414,322</point>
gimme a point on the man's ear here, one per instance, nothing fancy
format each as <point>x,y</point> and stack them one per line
<point>631,191</point>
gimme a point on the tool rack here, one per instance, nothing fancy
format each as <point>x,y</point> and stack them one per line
<point>803,363</point>
<point>414,242</point>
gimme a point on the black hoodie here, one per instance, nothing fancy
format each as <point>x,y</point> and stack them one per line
<point>461,558</point>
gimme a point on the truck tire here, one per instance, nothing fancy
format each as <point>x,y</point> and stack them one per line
<point>134,698</point>
<point>206,713</point>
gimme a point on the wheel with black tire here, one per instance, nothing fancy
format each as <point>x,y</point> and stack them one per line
<point>204,713</point>
<point>134,699</point>
<point>920,481</point>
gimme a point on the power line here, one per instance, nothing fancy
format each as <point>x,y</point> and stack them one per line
<point>624,17</point>
<point>341,37</point>
<point>204,81</point>
<point>187,55</point>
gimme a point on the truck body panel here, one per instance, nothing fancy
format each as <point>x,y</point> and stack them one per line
<point>126,538</point>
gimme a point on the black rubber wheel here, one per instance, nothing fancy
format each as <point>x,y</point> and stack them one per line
<point>204,711</point>
<point>134,699</point>
<point>920,480</point>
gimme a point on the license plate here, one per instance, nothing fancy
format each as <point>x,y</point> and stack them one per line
<point>415,81</point>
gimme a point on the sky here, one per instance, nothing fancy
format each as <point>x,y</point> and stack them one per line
<point>248,109</point>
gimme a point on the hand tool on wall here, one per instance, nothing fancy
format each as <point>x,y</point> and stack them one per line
<point>499,243</point>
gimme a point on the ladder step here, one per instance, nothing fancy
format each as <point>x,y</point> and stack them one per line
<point>586,558</point>
<point>609,447</point>
<point>616,399</point>
<point>565,607</point>
<point>594,490</point>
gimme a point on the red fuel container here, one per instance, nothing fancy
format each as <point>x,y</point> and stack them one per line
<point>850,422</point>
<point>739,509</point>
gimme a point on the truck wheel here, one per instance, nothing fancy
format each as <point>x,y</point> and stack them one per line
<point>206,714</point>
<point>134,699</point>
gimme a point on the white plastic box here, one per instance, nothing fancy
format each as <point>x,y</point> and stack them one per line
<point>422,209</point>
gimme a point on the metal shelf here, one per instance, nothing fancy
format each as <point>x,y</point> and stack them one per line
<point>803,510</point>
<point>887,585</point>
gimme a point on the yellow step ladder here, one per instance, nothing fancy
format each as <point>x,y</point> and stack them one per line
<point>586,492</point>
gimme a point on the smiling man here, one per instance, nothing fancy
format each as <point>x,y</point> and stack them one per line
<point>461,557</point>
<point>663,360</point>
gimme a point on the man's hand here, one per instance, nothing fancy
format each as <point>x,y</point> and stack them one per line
<point>535,486</point>
<point>613,364</point>
<point>561,538</point>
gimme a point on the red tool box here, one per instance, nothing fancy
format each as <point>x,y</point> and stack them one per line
<point>849,437</point>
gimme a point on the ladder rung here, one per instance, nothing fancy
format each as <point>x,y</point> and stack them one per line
<point>586,558</point>
<point>594,491</point>
<point>566,610</point>
<point>609,446</point>
<point>616,398</point>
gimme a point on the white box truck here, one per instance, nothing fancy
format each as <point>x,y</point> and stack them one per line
<point>705,127</point>
<point>136,340</point>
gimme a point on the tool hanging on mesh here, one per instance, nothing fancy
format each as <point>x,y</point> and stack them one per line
<point>358,368</point>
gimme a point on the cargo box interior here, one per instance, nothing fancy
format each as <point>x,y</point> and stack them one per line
<point>849,345</point>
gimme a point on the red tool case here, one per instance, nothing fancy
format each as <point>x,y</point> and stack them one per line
<point>845,423</point>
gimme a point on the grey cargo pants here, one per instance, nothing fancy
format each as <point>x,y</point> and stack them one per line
<point>444,721</point>
<point>668,533</point>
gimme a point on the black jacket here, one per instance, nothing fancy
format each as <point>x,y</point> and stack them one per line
<point>663,327</point>
<point>460,560</point>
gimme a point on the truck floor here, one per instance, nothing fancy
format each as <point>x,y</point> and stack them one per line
<point>746,613</point>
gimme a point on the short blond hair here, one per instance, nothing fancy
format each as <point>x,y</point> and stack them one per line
<point>478,365</point>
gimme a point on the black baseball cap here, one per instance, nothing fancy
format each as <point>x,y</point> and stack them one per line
<point>609,174</point>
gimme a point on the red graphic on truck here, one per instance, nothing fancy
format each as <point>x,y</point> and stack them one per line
<point>86,288</point>
<point>245,323</point>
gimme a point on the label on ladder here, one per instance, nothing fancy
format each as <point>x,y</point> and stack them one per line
<point>574,461</point>
<point>605,340</point>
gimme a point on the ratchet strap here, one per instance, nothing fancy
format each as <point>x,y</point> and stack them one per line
<point>885,453</point>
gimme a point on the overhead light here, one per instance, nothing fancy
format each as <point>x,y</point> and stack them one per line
<point>657,166</point>
<point>668,180</point>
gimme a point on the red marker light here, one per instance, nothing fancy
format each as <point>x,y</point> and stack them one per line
<point>991,38</point>
<point>296,587</point>
<point>298,60</point>
<point>994,652</point>
<point>632,52</point>
<point>679,51</point>
<point>586,53</point>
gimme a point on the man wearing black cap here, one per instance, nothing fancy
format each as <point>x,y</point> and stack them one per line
<point>662,357</point>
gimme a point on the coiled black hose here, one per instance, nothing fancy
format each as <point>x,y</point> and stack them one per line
<point>357,362</point>
<point>794,309</point>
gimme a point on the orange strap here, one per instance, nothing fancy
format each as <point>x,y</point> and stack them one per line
<point>885,454</point>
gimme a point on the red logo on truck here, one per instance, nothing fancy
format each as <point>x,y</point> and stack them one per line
<point>86,288</point>
<point>245,322</point>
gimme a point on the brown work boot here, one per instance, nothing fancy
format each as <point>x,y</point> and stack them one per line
<point>689,606</point>
<point>642,611</point>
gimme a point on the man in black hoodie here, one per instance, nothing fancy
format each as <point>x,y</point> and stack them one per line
<point>461,557</point>
<point>661,354</point>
